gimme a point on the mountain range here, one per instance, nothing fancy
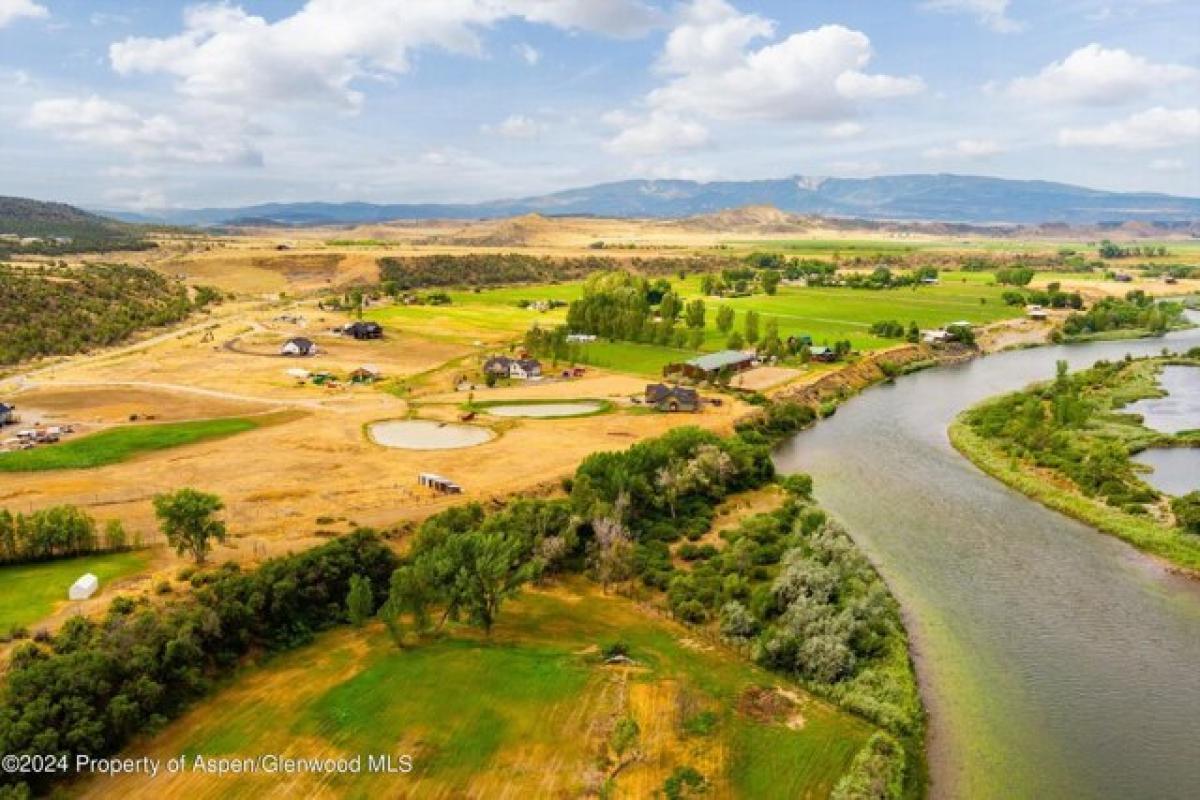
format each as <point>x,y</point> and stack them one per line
<point>941,198</point>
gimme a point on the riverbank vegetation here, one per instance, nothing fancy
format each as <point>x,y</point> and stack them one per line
<point>1068,444</point>
<point>1136,315</point>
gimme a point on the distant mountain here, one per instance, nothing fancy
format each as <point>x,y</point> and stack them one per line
<point>937,198</point>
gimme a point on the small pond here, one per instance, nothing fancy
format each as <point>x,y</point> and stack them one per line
<point>420,434</point>
<point>1176,469</point>
<point>545,410</point>
<point>1180,409</point>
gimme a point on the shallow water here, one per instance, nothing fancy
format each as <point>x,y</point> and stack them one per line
<point>1056,662</point>
<point>1176,469</point>
<point>419,434</point>
<point>1180,409</point>
<point>544,410</point>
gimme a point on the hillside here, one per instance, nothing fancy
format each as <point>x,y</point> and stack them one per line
<point>68,229</point>
<point>939,198</point>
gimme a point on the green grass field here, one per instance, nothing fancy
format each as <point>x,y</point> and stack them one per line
<point>30,592</point>
<point>122,443</point>
<point>825,314</point>
<point>523,714</point>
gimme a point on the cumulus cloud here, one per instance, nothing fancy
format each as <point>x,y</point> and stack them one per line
<point>658,132</point>
<point>844,130</point>
<point>966,149</point>
<point>1146,130</point>
<point>1095,75</point>
<point>228,55</point>
<point>714,70</point>
<point>528,53</point>
<point>990,13</point>
<point>103,123</point>
<point>13,10</point>
<point>516,126</point>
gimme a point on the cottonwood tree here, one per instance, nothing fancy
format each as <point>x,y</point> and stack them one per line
<point>725,316</point>
<point>360,603</point>
<point>188,519</point>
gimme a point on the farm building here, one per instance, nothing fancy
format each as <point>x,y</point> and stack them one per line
<point>519,368</point>
<point>672,398</point>
<point>823,354</point>
<point>1036,312</point>
<point>580,338</point>
<point>7,414</point>
<point>367,373</point>
<point>363,330</point>
<point>299,346</point>
<point>84,588</point>
<point>438,483</point>
<point>708,367</point>
<point>938,337</point>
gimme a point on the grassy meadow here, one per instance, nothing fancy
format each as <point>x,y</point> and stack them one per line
<point>531,712</point>
<point>827,314</point>
<point>124,442</point>
<point>30,592</point>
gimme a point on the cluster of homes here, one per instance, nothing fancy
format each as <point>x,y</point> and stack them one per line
<point>522,369</point>
<point>303,346</point>
<point>28,438</point>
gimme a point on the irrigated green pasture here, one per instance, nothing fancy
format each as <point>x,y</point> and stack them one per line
<point>29,592</point>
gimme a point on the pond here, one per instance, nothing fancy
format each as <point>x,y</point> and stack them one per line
<point>546,410</point>
<point>421,434</point>
<point>1180,409</point>
<point>1176,469</point>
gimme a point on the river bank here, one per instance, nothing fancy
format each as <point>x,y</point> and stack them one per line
<point>1053,662</point>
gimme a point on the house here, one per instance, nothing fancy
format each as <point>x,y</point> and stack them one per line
<point>825,355</point>
<point>363,330</point>
<point>1036,312</point>
<point>525,369</point>
<point>938,337</point>
<point>708,367</point>
<point>672,398</point>
<point>580,338</point>
<point>298,346</point>
<point>506,367</point>
<point>7,414</point>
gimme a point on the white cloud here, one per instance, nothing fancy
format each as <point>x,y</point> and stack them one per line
<point>13,10</point>
<point>228,55</point>
<point>658,132</point>
<point>1094,75</point>
<point>1146,130</point>
<point>966,149</point>
<point>992,13</point>
<point>528,53</point>
<point>844,130</point>
<point>1168,164</point>
<point>713,70</point>
<point>516,126</point>
<point>103,123</point>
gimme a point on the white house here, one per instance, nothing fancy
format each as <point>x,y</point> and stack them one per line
<point>299,346</point>
<point>84,588</point>
<point>525,369</point>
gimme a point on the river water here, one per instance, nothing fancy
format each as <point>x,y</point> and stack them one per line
<point>1056,661</point>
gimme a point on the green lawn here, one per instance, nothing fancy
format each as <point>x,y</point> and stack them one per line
<point>30,592</point>
<point>825,314</point>
<point>122,443</point>
<point>519,713</point>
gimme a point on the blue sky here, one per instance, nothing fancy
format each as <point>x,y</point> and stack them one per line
<point>162,104</point>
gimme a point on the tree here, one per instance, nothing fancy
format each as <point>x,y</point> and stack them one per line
<point>360,603</point>
<point>1187,512</point>
<point>751,326</point>
<point>695,314</point>
<point>492,568</point>
<point>725,319</point>
<point>610,556</point>
<point>770,281</point>
<point>736,342</point>
<point>187,518</point>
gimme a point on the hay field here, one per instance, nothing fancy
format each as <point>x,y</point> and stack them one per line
<point>538,720</point>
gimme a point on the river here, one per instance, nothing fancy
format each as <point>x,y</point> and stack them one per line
<point>1056,662</point>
